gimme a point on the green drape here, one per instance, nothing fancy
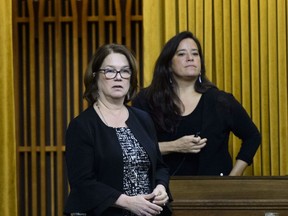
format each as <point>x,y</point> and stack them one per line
<point>8,180</point>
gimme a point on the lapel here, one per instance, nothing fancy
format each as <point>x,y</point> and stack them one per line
<point>137,126</point>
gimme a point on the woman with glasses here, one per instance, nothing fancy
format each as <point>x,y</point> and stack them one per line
<point>113,158</point>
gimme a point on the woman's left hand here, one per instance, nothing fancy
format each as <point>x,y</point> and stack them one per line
<point>161,196</point>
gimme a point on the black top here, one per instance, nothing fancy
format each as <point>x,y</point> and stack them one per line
<point>221,114</point>
<point>184,164</point>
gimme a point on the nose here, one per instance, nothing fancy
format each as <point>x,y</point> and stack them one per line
<point>118,76</point>
<point>190,57</point>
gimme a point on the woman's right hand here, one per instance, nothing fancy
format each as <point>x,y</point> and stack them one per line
<point>185,144</point>
<point>139,205</point>
<point>190,144</point>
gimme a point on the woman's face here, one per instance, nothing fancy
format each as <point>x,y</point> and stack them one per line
<point>117,87</point>
<point>186,62</point>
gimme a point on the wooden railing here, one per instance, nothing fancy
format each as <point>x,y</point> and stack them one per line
<point>229,196</point>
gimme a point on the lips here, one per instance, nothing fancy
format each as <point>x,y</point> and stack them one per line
<point>194,66</point>
<point>117,86</point>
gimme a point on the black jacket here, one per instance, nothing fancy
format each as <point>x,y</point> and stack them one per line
<point>95,163</point>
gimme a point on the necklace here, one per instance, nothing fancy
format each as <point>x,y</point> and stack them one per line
<point>98,107</point>
<point>109,111</point>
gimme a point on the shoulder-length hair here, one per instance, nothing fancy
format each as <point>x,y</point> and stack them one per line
<point>92,73</point>
<point>162,97</point>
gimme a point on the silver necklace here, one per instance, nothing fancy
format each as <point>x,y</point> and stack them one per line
<point>98,107</point>
<point>100,112</point>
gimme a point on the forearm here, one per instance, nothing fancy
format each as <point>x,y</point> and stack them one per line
<point>185,144</point>
<point>238,168</point>
<point>168,147</point>
<point>122,201</point>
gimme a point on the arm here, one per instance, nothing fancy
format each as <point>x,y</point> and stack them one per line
<point>238,168</point>
<point>87,192</point>
<point>245,129</point>
<point>185,144</point>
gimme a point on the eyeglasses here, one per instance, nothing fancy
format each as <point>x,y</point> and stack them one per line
<point>111,73</point>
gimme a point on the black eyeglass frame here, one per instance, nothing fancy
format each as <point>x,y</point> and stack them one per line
<point>105,71</point>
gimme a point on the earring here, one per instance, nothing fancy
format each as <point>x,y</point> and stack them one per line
<point>199,78</point>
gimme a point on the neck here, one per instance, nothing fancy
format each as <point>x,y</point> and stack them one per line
<point>112,116</point>
<point>187,89</point>
<point>109,106</point>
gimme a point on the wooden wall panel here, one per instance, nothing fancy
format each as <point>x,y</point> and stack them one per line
<point>229,196</point>
<point>53,42</point>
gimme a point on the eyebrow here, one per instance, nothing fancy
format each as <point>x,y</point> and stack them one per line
<point>195,49</point>
<point>113,66</point>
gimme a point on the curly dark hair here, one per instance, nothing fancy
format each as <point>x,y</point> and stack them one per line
<point>162,98</point>
<point>92,73</point>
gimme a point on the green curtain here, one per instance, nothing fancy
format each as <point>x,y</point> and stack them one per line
<point>8,180</point>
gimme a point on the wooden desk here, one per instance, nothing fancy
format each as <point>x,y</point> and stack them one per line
<point>229,196</point>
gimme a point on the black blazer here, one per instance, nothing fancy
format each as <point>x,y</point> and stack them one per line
<point>95,164</point>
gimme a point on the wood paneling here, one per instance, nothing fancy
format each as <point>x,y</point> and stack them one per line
<point>223,196</point>
<point>53,42</point>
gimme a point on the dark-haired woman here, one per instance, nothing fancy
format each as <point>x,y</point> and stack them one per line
<point>114,164</point>
<point>193,117</point>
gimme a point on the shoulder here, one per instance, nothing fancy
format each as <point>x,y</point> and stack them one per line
<point>85,115</point>
<point>139,113</point>
<point>141,116</point>
<point>219,96</point>
<point>221,100</point>
<point>217,93</point>
<point>141,100</point>
<point>140,121</point>
<point>143,92</point>
<point>83,120</point>
<point>80,129</point>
